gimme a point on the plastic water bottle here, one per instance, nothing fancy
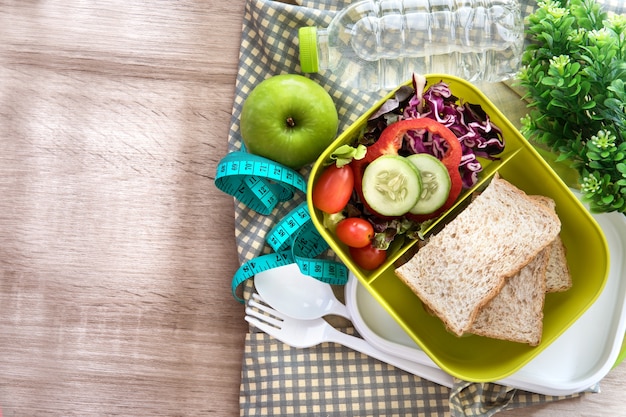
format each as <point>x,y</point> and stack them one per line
<point>377,45</point>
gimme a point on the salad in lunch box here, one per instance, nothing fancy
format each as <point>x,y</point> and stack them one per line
<point>408,166</point>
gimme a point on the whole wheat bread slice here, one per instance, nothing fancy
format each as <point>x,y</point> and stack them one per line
<point>516,313</point>
<point>467,263</point>
<point>558,276</point>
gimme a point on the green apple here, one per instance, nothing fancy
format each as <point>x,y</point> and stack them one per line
<point>289,119</point>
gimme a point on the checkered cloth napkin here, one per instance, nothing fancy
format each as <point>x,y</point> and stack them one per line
<point>328,380</point>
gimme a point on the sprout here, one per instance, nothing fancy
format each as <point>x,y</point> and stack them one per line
<point>577,36</point>
<point>560,62</point>
<point>553,8</point>
<point>590,184</point>
<point>603,140</point>
<point>617,23</point>
<point>601,37</point>
<point>527,125</point>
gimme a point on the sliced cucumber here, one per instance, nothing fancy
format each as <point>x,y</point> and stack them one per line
<point>435,183</point>
<point>391,185</point>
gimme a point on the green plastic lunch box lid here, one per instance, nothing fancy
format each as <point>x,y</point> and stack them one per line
<point>309,61</point>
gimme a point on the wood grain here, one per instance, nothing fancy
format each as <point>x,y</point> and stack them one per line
<point>116,249</point>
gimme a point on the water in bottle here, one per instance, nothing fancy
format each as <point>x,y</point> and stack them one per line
<point>378,44</point>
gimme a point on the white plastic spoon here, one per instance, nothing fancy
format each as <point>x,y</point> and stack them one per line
<point>297,295</point>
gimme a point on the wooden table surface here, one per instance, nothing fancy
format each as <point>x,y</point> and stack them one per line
<point>116,249</point>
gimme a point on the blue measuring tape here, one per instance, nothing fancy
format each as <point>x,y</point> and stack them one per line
<point>257,182</point>
<point>261,184</point>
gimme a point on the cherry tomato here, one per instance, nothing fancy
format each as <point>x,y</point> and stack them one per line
<point>368,257</point>
<point>333,189</point>
<point>355,232</point>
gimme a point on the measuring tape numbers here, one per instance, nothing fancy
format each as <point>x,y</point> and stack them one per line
<point>257,182</point>
<point>298,231</point>
<point>307,245</point>
<point>260,184</point>
<point>256,265</point>
<point>294,240</point>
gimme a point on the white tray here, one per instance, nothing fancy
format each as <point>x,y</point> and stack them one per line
<point>576,361</point>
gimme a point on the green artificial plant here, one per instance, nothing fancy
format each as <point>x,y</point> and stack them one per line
<point>574,76</point>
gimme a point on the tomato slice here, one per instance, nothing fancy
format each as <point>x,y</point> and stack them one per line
<point>452,157</point>
<point>333,189</point>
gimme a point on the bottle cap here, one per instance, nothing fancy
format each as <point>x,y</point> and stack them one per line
<point>308,49</point>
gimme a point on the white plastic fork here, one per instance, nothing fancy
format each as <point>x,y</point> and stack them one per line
<point>309,333</point>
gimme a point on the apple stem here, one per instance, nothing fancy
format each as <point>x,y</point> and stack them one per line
<point>290,122</point>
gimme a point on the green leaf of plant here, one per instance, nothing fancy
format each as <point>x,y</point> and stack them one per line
<point>549,81</point>
<point>588,105</point>
<point>608,199</point>
<point>570,104</point>
<point>545,36</point>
